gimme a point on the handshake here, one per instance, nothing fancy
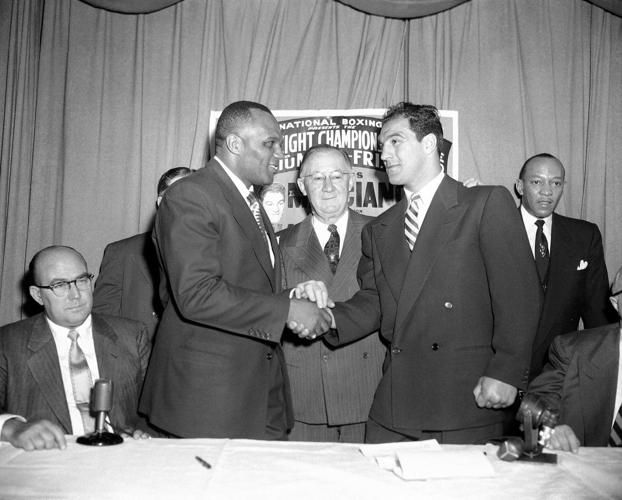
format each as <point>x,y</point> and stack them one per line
<point>309,314</point>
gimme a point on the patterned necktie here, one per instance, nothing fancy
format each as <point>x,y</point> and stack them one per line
<point>615,438</point>
<point>254,204</point>
<point>411,227</point>
<point>541,252</point>
<point>80,381</point>
<point>331,249</point>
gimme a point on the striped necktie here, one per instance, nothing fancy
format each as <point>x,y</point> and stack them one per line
<point>254,204</point>
<point>615,438</point>
<point>411,227</point>
<point>81,381</point>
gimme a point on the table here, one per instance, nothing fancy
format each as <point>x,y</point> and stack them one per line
<point>245,469</point>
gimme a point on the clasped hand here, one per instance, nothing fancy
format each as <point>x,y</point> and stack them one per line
<point>492,393</point>
<point>309,315</point>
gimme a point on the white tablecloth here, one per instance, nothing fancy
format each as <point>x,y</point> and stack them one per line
<point>245,469</point>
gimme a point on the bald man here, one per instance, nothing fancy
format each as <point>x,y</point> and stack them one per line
<point>39,398</point>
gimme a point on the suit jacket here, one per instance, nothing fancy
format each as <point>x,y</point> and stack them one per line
<point>218,344</point>
<point>580,380</point>
<point>330,385</point>
<point>30,378</point>
<point>462,305</point>
<point>572,293</point>
<point>127,281</point>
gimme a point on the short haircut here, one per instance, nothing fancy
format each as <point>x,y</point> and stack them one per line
<point>172,174</point>
<point>33,267</point>
<point>423,119</point>
<point>275,187</point>
<point>321,148</point>
<point>233,117</point>
<point>521,174</point>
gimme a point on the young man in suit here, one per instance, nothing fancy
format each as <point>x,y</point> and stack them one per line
<point>455,296</point>
<point>41,399</point>
<point>569,258</point>
<point>332,388</point>
<point>127,284</point>
<point>583,381</point>
<point>217,366</point>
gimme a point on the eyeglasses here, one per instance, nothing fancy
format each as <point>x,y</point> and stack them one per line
<point>61,288</point>
<point>336,176</point>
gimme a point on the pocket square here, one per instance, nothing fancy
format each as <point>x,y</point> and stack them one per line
<point>582,265</point>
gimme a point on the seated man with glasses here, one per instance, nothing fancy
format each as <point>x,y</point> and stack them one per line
<point>48,363</point>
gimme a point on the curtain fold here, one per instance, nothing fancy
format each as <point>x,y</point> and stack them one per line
<point>97,105</point>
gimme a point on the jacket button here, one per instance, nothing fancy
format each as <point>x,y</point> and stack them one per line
<point>448,305</point>
<point>266,335</point>
<point>396,350</point>
<point>269,356</point>
<point>365,355</point>
<point>435,346</point>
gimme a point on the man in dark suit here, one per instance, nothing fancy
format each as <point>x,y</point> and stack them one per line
<point>127,282</point>
<point>573,273</point>
<point>217,366</point>
<point>38,401</point>
<point>332,388</point>
<point>456,297</point>
<point>583,381</point>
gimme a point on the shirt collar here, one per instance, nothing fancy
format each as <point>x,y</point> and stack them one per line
<point>342,224</point>
<point>529,220</point>
<point>241,187</point>
<point>428,191</point>
<point>60,332</point>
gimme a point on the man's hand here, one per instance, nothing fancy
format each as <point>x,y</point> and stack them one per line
<point>135,434</point>
<point>37,435</point>
<point>492,393</point>
<point>315,291</point>
<point>472,182</point>
<point>563,438</point>
<point>306,319</point>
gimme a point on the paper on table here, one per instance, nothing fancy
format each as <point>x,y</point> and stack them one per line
<point>385,454</point>
<point>443,464</point>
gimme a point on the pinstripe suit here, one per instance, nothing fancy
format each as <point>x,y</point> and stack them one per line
<point>333,386</point>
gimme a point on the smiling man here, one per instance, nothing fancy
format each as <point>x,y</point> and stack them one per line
<point>48,363</point>
<point>453,294</point>
<point>568,254</point>
<point>217,366</point>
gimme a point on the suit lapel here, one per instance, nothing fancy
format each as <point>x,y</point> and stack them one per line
<point>438,225</point>
<point>106,349</point>
<point>244,217</point>
<point>351,252</point>
<point>308,255</point>
<point>45,369</point>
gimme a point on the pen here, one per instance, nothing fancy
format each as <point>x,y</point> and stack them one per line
<point>203,462</point>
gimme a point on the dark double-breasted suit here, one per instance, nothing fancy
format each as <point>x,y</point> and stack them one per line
<point>127,282</point>
<point>577,285</point>
<point>462,305</point>
<point>217,364</point>
<point>333,386</point>
<point>580,380</point>
<point>30,378</point>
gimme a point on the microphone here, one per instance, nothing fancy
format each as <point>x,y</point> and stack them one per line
<point>101,404</point>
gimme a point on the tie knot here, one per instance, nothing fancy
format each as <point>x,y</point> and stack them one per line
<point>414,199</point>
<point>332,228</point>
<point>73,335</point>
<point>539,223</point>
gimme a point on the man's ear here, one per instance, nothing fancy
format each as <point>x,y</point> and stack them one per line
<point>35,293</point>
<point>519,186</point>
<point>429,144</point>
<point>301,186</point>
<point>234,144</point>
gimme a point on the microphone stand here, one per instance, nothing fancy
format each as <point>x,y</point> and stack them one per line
<point>102,403</point>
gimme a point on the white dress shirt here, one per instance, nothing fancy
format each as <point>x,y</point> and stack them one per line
<point>530,226</point>
<point>426,194</point>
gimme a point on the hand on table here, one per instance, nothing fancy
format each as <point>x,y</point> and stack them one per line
<point>36,435</point>
<point>135,434</point>
<point>563,438</point>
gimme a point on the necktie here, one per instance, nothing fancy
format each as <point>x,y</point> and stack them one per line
<point>615,438</point>
<point>411,227</point>
<point>331,249</point>
<point>254,204</point>
<point>541,252</point>
<point>80,381</point>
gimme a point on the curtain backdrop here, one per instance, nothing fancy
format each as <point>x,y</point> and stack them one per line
<point>97,105</point>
